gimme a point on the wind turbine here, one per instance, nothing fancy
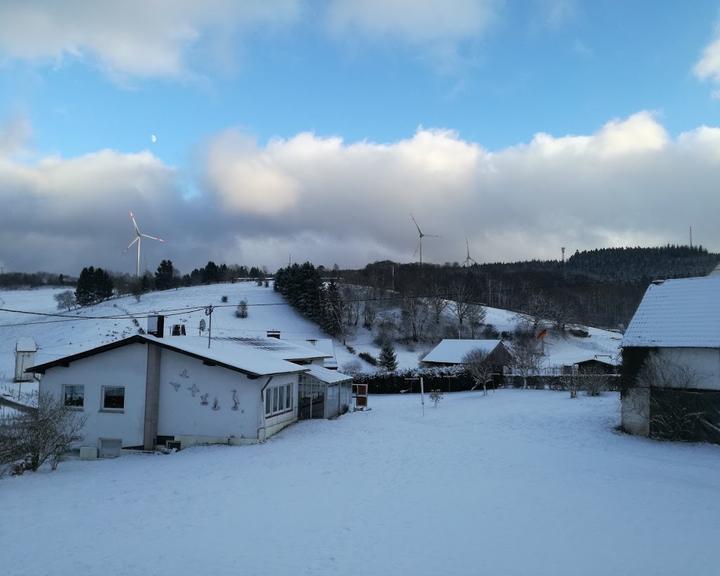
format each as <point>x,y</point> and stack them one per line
<point>421,235</point>
<point>138,240</point>
<point>468,259</point>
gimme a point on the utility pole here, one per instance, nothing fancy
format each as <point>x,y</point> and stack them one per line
<point>208,312</point>
<point>690,236</point>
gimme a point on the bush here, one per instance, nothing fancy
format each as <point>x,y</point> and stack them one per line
<point>242,310</point>
<point>27,441</point>
<point>369,358</point>
<point>224,299</point>
<point>350,349</point>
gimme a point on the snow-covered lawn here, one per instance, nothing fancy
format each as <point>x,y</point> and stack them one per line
<point>518,482</point>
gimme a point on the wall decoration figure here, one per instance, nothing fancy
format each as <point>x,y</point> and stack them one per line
<point>184,373</point>
<point>204,399</point>
<point>193,390</point>
<point>175,385</point>
<point>236,400</point>
<point>216,404</point>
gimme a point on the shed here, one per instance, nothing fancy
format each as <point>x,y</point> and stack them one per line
<point>452,352</point>
<point>25,350</point>
<point>671,361</point>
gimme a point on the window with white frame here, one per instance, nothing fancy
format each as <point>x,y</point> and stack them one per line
<point>113,398</point>
<point>74,396</point>
<point>278,399</point>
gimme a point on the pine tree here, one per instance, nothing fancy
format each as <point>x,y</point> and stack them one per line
<point>165,276</point>
<point>388,359</point>
<point>85,290</point>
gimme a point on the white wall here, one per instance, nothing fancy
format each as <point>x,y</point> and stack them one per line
<point>705,362</point>
<point>125,366</point>
<point>635,408</point>
<point>186,382</point>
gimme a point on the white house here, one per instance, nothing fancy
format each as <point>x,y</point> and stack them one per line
<point>671,361</point>
<point>143,390</point>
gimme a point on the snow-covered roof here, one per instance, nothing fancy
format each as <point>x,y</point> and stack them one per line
<point>26,344</point>
<point>226,354</point>
<point>327,347</point>
<point>325,375</point>
<point>453,351</point>
<point>681,313</point>
<point>277,347</point>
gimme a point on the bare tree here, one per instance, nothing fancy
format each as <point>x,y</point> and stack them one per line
<point>437,302</point>
<point>526,358</point>
<point>460,305</point>
<point>475,318</point>
<point>29,440</point>
<point>594,382</point>
<point>65,300</point>
<point>477,364</point>
<point>414,317</point>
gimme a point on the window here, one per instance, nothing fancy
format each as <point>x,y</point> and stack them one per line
<point>74,396</point>
<point>278,400</point>
<point>113,398</point>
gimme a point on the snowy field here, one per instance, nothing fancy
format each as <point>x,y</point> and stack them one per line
<point>515,483</point>
<point>267,311</point>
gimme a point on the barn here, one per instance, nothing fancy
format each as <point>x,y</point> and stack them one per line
<point>671,362</point>
<point>450,352</point>
<point>144,390</point>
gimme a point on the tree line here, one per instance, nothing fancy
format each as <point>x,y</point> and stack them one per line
<point>596,287</point>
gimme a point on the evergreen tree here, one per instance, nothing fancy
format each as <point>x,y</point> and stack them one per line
<point>388,359</point>
<point>242,310</point>
<point>103,285</point>
<point>85,289</point>
<point>165,276</point>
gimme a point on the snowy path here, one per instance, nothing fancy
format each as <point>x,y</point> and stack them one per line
<point>519,482</point>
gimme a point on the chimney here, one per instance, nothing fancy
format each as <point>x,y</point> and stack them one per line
<point>156,325</point>
<point>273,334</point>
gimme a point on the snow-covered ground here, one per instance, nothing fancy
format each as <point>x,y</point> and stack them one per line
<point>267,311</point>
<point>517,482</point>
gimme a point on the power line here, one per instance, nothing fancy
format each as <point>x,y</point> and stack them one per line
<point>190,310</point>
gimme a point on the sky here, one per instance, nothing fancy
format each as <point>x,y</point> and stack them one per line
<point>258,132</point>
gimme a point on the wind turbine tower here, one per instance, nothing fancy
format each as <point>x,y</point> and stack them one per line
<point>469,261</point>
<point>138,241</point>
<point>421,235</point>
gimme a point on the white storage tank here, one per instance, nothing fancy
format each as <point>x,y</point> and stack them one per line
<point>25,350</point>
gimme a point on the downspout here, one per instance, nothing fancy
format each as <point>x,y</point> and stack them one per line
<point>262,409</point>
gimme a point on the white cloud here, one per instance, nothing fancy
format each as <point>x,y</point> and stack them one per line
<point>416,22</point>
<point>133,37</point>
<point>327,200</point>
<point>708,66</point>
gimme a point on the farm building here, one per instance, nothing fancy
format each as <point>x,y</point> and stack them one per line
<point>671,362</point>
<point>146,390</point>
<point>452,352</point>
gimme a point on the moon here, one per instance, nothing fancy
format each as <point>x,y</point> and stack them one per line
<point>153,138</point>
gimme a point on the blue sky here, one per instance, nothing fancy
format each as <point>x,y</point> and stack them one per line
<point>492,73</point>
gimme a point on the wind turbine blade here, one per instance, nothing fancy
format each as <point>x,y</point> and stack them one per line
<point>137,239</point>
<point>416,225</point>
<point>152,237</point>
<point>431,236</point>
<point>132,217</point>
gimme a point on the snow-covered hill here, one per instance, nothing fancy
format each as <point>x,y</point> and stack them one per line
<point>267,311</point>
